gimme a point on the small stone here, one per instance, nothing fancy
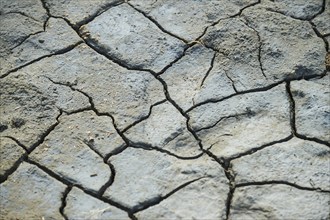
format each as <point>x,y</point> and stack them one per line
<point>82,206</point>
<point>136,38</point>
<point>30,193</point>
<point>313,108</point>
<point>156,174</point>
<point>300,162</point>
<point>277,201</point>
<point>202,199</point>
<point>10,153</point>
<point>165,128</point>
<point>243,122</point>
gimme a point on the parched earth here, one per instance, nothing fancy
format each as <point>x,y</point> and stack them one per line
<point>165,109</point>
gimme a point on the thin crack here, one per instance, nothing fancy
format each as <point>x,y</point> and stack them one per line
<point>18,143</point>
<point>69,182</point>
<point>25,38</point>
<point>209,70</point>
<point>217,122</point>
<point>261,183</point>
<point>232,82</point>
<point>143,118</point>
<point>323,37</point>
<point>155,201</point>
<point>293,120</point>
<point>72,89</point>
<point>149,147</point>
<point>232,16</point>
<point>157,24</point>
<point>23,14</point>
<point>259,48</point>
<point>261,89</point>
<point>256,149</point>
<point>43,136</point>
<point>63,205</point>
<point>297,18</point>
<point>58,52</point>
<point>176,59</point>
<point>111,167</point>
<point>103,9</point>
<point>13,168</point>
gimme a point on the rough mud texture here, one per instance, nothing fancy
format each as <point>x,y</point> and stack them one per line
<point>164,109</point>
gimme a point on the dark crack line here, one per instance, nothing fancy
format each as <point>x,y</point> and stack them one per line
<point>102,51</point>
<point>110,181</point>
<point>293,120</point>
<point>93,108</point>
<point>25,39</point>
<point>155,201</point>
<point>256,149</point>
<point>227,167</point>
<point>143,118</point>
<point>58,52</point>
<point>103,9</point>
<point>132,216</point>
<point>209,70</point>
<point>149,147</point>
<point>303,137</point>
<point>23,14</point>
<point>71,184</point>
<point>63,205</point>
<point>297,18</point>
<point>74,90</point>
<point>125,139</point>
<point>261,89</point>
<point>229,17</point>
<point>154,21</point>
<point>294,17</point>
<point>259,48</point>
<point>261,183</point>
<point>18,143</point>
<point>323,37</point>
<point>176,59</point>
<point>292,110</point>
<point>232,81</point>
<point>217,122</point>
<point>111,168</point>
<point>229,200</point>
<point>43,136</point>
<point>27,150</point>
<point>13,168</point>
<point>44,5</point>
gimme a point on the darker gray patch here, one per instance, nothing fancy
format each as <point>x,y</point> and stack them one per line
<point>299,94</point>
<point>3,127</point>
<point>17,122</point>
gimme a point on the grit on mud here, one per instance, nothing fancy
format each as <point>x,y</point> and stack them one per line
<point>165,109</point>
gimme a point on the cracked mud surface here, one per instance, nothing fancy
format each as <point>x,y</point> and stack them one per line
<point>164,109</point>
